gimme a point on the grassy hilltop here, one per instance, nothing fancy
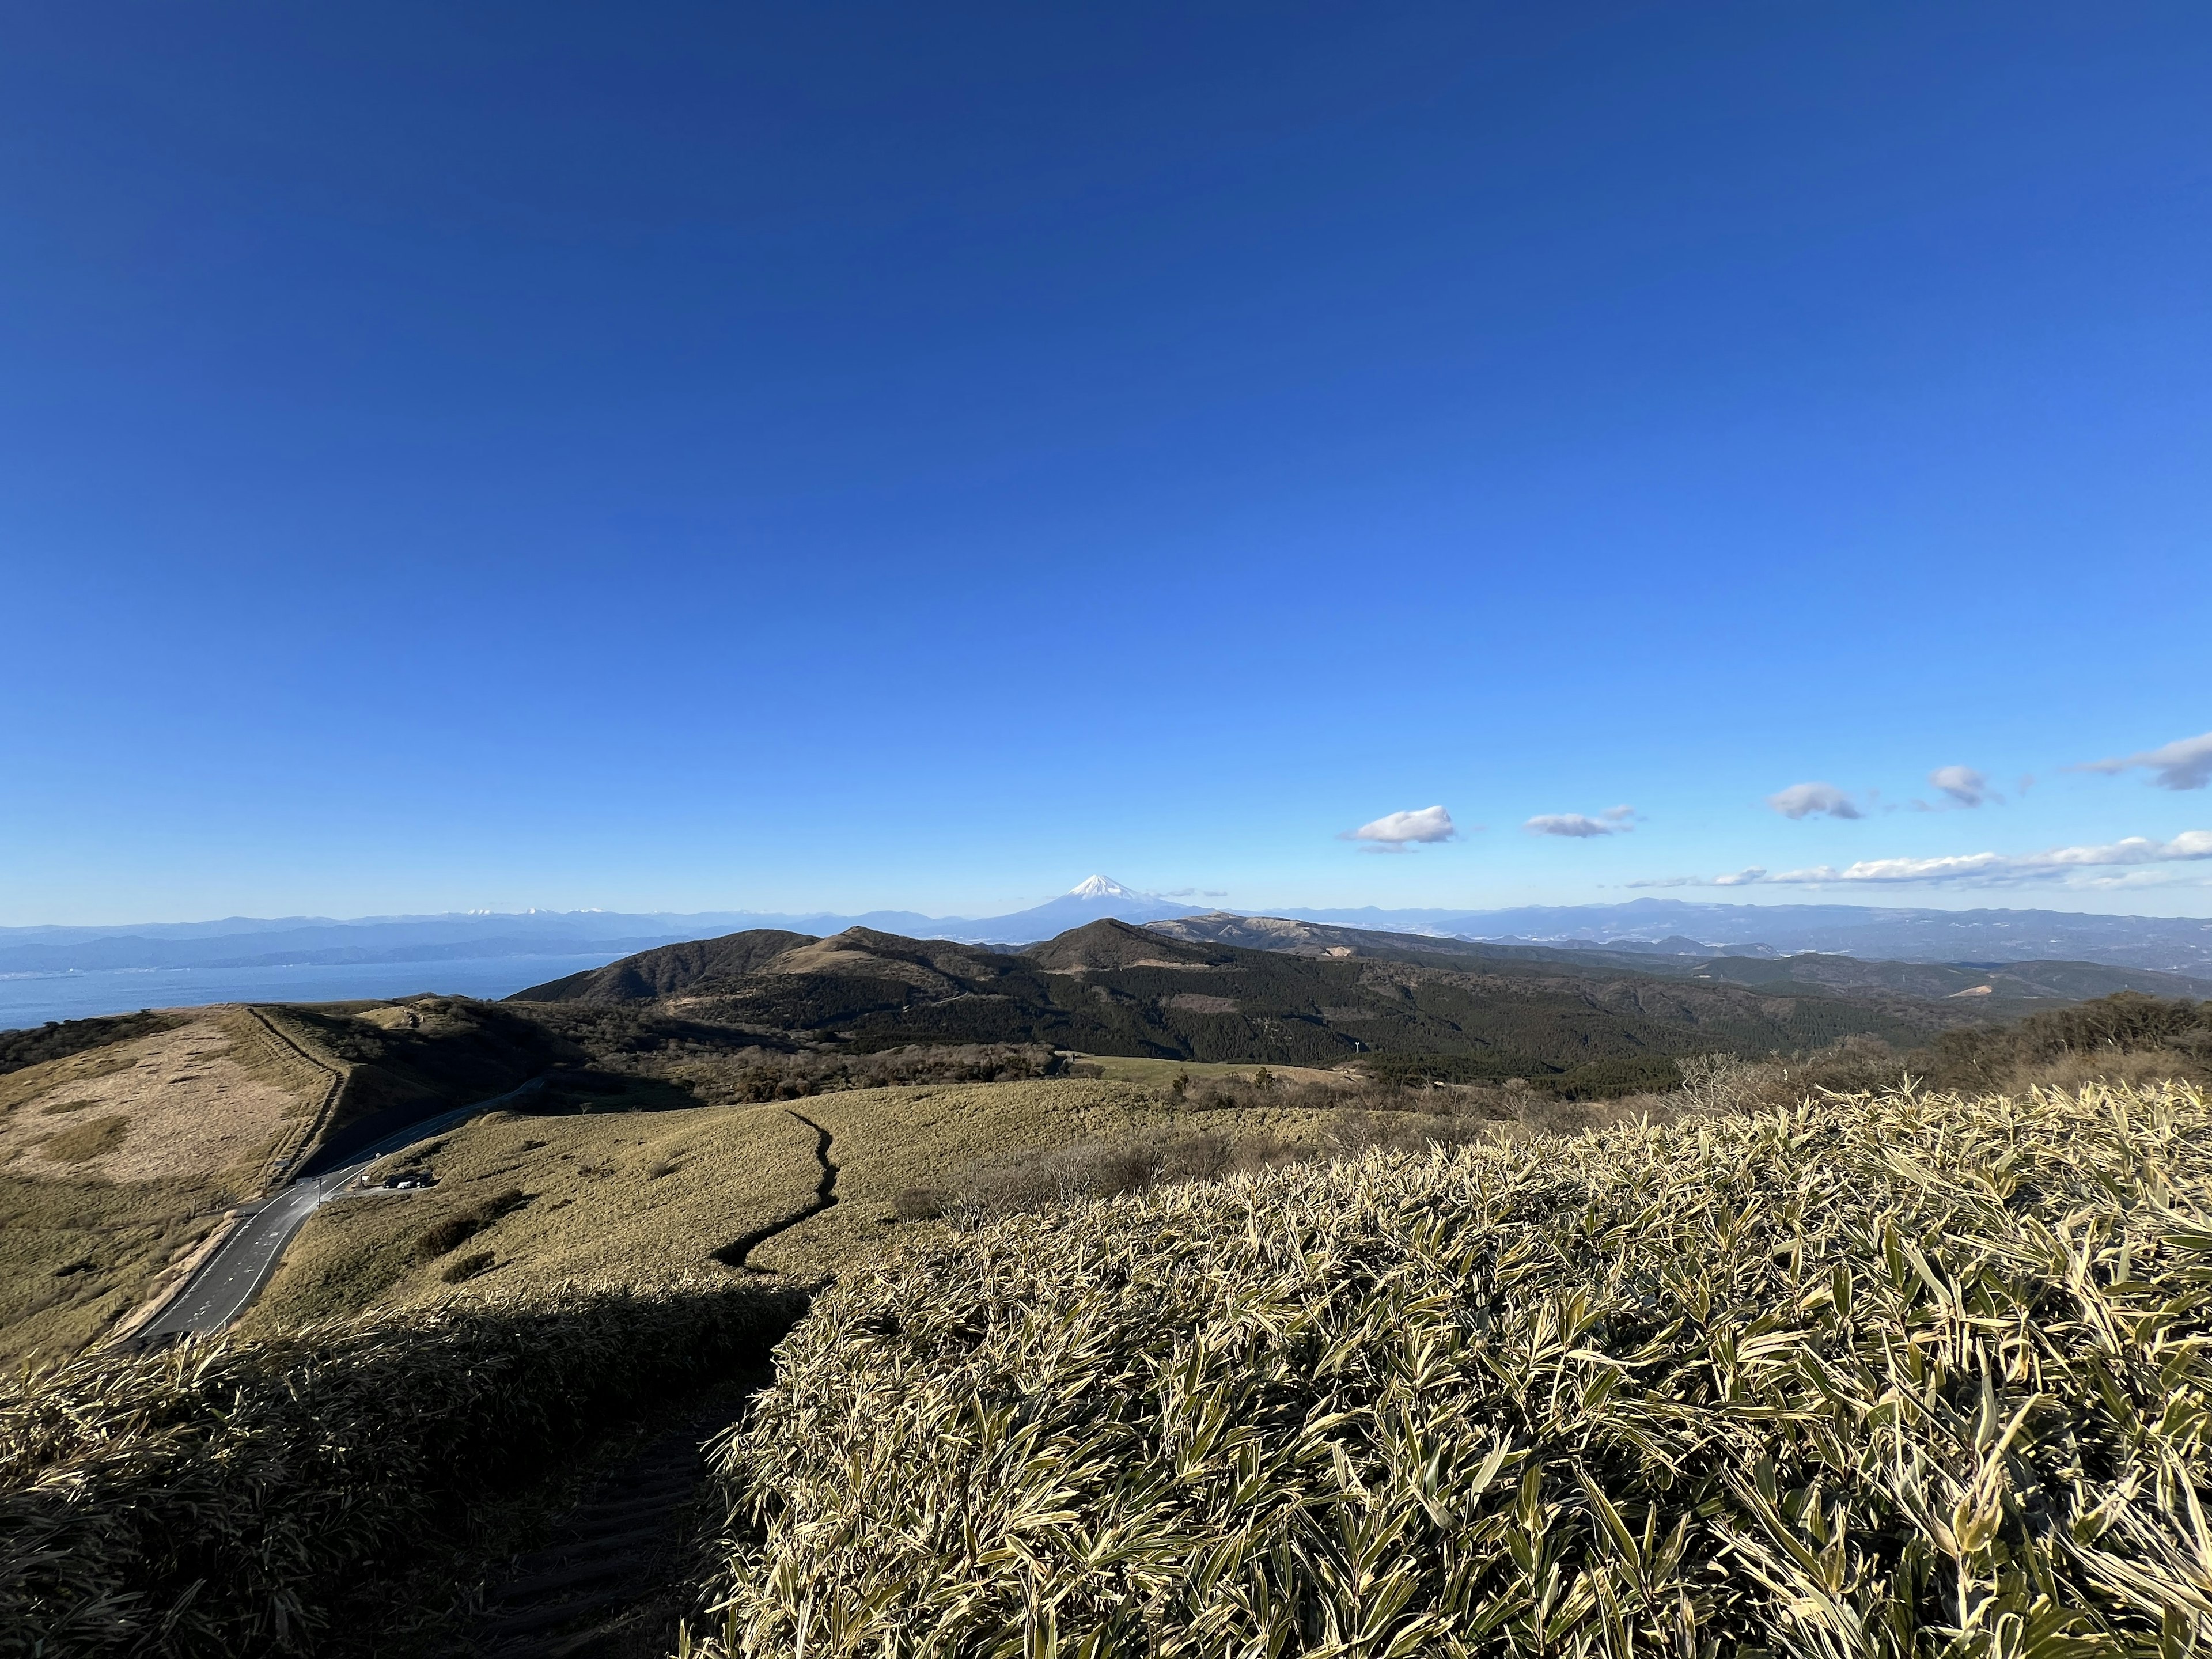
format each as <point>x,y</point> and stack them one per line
<point>123,1141</point>
<point>1112,989</point>
<point>1139,1352</point>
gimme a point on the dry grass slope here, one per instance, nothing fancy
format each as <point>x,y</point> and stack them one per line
<point>627,1198</point>
<point>632,1197</point>
<point>251,1498</point>
<point>118,1157</point>
<point>1895,1376</point>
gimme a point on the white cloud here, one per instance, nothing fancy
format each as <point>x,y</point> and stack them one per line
<point>1801,800</point>
<point>1613,821</point>
<point>1736,878</point>
<point>1394,830</point>
<point>2184,764</point>
<point>2059,863</point>
<point>1965,786</point>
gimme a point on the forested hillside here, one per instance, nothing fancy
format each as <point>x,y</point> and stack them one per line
<point>1110,989</point>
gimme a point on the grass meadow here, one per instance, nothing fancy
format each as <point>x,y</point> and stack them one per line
<point>1893,1375</point>
<point>630,1197</point>
<point>1807,1357</point>
<point>119,1157</point>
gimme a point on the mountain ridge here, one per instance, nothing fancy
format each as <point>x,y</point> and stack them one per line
<point>2032,981</point>
<point>2173,944</point>
<point>1111,987</point>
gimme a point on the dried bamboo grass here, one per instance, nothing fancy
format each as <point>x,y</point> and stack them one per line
<point>224,1499</point>
<point>1896,1376</point>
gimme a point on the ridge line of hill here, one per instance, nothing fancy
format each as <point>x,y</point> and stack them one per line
<point>1276,991</point>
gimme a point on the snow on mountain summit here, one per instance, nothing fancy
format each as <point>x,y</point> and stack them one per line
<point>1093,887</point>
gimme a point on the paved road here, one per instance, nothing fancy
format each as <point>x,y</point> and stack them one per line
<point>230,1279</point>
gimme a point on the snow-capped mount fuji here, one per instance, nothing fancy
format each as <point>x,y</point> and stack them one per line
<point>1103,887</point>
<point>1092,899</point>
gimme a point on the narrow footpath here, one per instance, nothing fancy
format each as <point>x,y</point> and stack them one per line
<point>734,1254</point>
<point>621,1569</point>
<point>618,1572</point>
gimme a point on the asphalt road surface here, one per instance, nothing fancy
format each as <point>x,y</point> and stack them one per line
<point>230,1279</point>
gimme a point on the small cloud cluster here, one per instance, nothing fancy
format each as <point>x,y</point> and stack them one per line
<point>1803,801</point>
<point>2191,845</point>
<point>1196,892</point>
<point>1963,788</point>
<point>1735,878</point>
<point>1613,821</point>
<point>1397,832</point>
<point>2186,763</point>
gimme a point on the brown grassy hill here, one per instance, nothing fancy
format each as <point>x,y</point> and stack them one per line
<point>668,970</point>
<point>123,1141</point>
<point>937,965</point>
<point>1110,989</point>
<point>635,1197</point>
<point>1117,944</point>
<point>120,1147</point>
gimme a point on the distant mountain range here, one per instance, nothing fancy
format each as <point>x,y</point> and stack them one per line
<point>1670,927</point>
<point>1998,991</point>
<point>2173,943</point>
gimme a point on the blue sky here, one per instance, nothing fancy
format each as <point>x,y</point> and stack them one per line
<point>697,457</point>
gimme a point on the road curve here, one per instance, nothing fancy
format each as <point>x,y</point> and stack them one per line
<point>228,1281</point>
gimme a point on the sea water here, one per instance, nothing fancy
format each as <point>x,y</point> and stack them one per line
<point>35,999</point>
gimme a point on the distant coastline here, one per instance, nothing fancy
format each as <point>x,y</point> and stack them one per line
<point>32,999</point>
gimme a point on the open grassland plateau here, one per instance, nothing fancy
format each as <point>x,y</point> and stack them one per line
<point>249,1497</point>
<point>1898,1374</point>
<point>122,1143</point>
<point>124,1140</point>
<point>627,1198</point>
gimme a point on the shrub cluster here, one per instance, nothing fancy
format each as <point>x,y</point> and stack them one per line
<point>1900,1375</point>
<point>1592,1080</point>
<point>1388,1096</point>
<point>2064,1045</point>
<point>224,1499</point>
<point>456,1231</point>
<point>58,1039</point>
<point>762,1074</point>
<point>2126,1038</point>
<point>1106,1166</point>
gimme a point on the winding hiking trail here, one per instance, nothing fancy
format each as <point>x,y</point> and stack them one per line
<point>616,1573</point>
<point>619,1570</point>
<point>734,1254</point>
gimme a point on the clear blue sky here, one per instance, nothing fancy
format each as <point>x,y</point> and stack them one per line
<point>686,457</point>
